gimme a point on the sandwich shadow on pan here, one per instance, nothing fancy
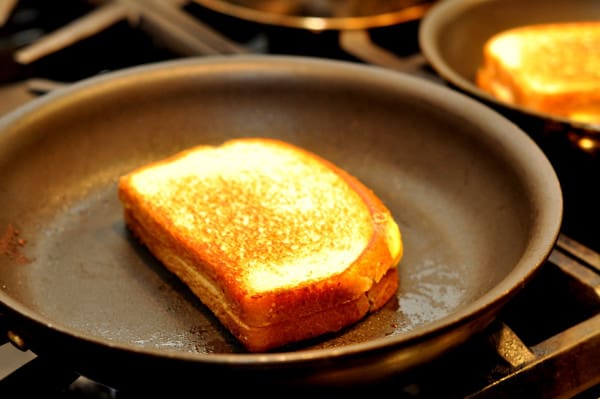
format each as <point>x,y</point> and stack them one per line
<point>478,204</point>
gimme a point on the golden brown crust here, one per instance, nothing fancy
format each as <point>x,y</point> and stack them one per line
<point>263,320</point>
<point>330,320</point>
<point>552,68</point>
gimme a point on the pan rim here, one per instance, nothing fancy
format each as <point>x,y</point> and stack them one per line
<point>316,23</point>
<point>502,130</point>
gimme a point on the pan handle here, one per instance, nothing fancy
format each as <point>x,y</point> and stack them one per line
<point>358,43</point>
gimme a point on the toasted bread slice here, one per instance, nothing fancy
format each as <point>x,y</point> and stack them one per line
<point>549,68</point>
<point>279,243</point>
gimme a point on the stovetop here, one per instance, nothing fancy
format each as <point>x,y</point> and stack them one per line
<point>545,343</point>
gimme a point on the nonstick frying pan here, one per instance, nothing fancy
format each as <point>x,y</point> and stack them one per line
<point>478,204</point>
<point>452,34</point>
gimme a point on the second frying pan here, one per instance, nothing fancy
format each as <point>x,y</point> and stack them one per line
<point>452,35</point>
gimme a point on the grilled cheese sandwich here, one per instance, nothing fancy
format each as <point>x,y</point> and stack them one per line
<point>551,68</point>
<point>280,244</point>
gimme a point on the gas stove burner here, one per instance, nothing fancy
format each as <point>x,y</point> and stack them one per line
<point>322,14</point>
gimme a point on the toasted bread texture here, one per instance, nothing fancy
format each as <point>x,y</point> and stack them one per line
<point>279,243</point>
<point>549,68</point>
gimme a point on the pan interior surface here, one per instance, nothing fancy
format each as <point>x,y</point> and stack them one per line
<point>477,203</point>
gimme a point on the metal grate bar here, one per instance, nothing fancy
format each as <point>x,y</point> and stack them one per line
<point>566,363</point>
<point>165,20</point>
<point>581,252</point>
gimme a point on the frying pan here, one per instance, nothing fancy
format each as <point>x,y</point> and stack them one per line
<point>478,204</point>
<point>321,14</point>
<point>352,21</point>
<point>452,34</point>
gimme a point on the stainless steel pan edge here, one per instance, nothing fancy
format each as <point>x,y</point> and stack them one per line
<point>107,360</point>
